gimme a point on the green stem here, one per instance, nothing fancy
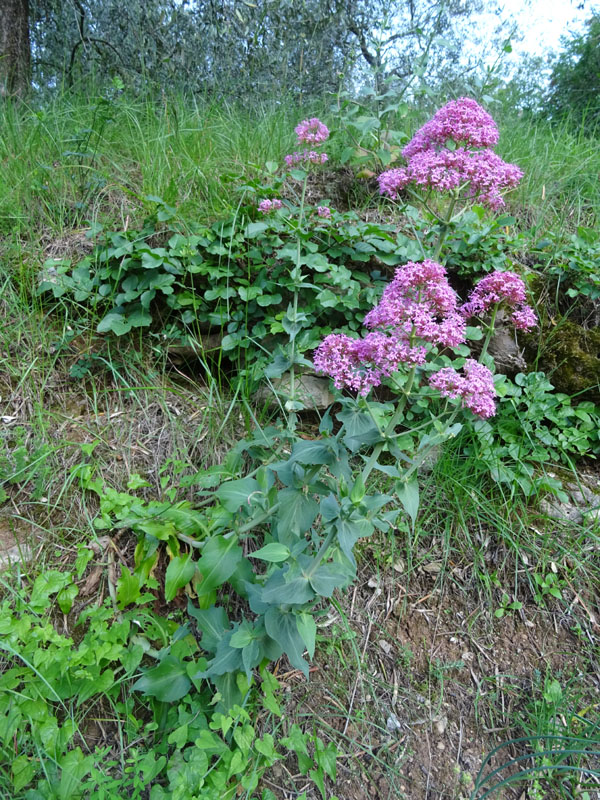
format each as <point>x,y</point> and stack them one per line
<point>445,228</point>
<point>370,465</point>
<point>426,450</point>
<point>297,280</point>
<point>489,334</point>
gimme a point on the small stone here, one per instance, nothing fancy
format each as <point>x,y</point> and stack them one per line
<point>385,646</point>
<point>313,392</point>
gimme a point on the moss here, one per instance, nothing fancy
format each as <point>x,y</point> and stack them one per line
<point>570,356</point>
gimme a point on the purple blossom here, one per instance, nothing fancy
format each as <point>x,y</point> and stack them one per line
<point>504,288</point>
<point>475,389</point>
<point>266,206</point>
<point>485,173</point>
<point>360,364</point>
<point>419,302</point>
<point>312,131</point>
<point>306,156</point>
<point>324,212</point>
<point>417,307</point>
<point>462,121</point>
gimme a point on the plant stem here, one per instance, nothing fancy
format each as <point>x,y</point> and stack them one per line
<point>370,465</point>
<point>445,225</point>
<point>489,334</point>
<point>297,281</point>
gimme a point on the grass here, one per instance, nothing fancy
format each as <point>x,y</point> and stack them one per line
<point>417,678</point>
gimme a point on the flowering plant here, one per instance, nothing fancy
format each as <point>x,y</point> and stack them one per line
<point>452,152</point>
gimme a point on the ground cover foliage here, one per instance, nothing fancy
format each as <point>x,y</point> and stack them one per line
<point>214,595</point>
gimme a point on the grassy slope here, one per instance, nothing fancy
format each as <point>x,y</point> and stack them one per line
<point>448,576</point>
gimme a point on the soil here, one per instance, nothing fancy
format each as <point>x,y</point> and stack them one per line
<point>437,682</point>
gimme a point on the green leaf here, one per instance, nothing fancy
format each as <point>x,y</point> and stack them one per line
<point>48,583</point>
<point>168,681</point>
<point>213,624</point>
<point>128,588</point>
<point>282,627</point>
<point>117,323</point>
<point>329,577</point>
<point>295,591</point>
<point>180,571</point>
<point>220,557</point>
<point>273,552</point>
<point>254,229</point>
<point>349,532</point>
<point>234,494</point>
<point>23,769</point>
<point>307,628</point>
<point>408,494</point>
<point>74,767</point>
<point>297,512</point>
<point>66,596</point>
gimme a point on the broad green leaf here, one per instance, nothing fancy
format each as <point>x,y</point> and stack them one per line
<point>408,494</point>
<point>234,494</point>
<point>128,588</point>
<point>220,557</point>
<point>297,513</point>
<point>66,596</point>
<point>180,571</point>
<point>327,578</point>
<point>296,591</point>
<point>273,552</point>
<point>254,229</point>
<point>168,681</point>
<point>213,624</point>
<point>282,627</point>
<point>22,769</point>
<point>74,767</point>
<point>307,628</point>
<point>349,532</point>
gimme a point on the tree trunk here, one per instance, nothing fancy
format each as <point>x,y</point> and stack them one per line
<point>15,55</point>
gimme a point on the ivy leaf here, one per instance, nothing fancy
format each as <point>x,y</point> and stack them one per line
<point>168,681</point>
<point>180,571</point>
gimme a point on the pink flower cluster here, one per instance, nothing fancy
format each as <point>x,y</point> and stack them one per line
<point>475,388</point>
<point>306,156</point>
<point>324,212</point>
<point>485,173</point>
<point>312,131</point>
<point>419,303</point>
<point>432,164</point>
<point>266,206</point>
<point>462,120</point>
<point>416,308</point>
<point>504,288</point>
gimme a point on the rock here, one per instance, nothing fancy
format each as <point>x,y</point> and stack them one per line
<point>506,352</point>
<point>583,504</point>
<point>311,390</point>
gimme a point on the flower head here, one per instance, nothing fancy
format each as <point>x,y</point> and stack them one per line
<point>483,172</point>
<point>324,212</point>
<point>306,156</point>
<point>463,121</point>
<point>475,387</point>
<point>312,131</point>
<point>266,206</point>
<point>504,288</point>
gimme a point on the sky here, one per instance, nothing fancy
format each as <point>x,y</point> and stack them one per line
<point>543,22</point>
